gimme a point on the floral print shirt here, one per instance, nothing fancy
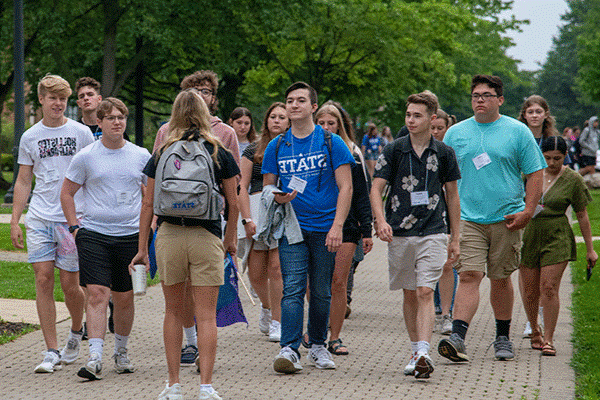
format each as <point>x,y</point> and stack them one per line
<point>406,173</point>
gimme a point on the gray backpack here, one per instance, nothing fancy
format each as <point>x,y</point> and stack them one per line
<point>185,182</point>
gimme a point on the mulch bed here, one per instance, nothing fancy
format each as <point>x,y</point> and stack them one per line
<point>11,328</point>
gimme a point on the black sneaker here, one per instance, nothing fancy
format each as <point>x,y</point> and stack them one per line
<point>188,355</point>
<point>503,348</point>
<point>453,348</point>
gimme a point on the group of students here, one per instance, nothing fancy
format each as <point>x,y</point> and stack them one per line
<point>455,200</point>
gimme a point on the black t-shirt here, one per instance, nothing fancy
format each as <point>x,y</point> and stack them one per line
<point>256,181</point>
<point>226,168</point>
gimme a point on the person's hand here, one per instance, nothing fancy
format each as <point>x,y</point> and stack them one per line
<point>517,221</point>
<point>250,228</point>
<point>285,198</point>
<point>139,258</point>
<point>453,251</point>
<point>367,245</point>
<point>384,231</point>
<point>592,257</point>
<point>333,241</point>
<point>230,247</point>
<point>16,236</point>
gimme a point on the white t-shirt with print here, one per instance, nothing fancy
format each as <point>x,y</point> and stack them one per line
<point>49,151</point>
<point>111,182</point>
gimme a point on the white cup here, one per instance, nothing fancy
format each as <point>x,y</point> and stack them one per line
<point>138,278</point>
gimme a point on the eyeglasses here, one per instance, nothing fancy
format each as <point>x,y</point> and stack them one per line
<point>484,96</point>
<point>111,118</point>
<point>205,92</point>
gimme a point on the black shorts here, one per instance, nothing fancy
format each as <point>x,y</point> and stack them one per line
<point>584,161</point>
<point>351,236</point>
<point>104,260</point>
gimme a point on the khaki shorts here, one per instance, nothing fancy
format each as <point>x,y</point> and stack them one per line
<point>491,249</point>
<point>416,261</point>
<point>189,251</point>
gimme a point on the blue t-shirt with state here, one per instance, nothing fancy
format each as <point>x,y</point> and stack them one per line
<point>492,186</point>
<point>309,159</point>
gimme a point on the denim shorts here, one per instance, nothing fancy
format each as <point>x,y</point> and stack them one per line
<point>51,241</point>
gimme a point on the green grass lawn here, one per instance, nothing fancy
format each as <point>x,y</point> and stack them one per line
<point>18,282</point>
<point>5,242</point>
<point>594,213</point>
<point>586,327</point>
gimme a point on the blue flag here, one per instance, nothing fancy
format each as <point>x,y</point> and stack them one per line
<point>229,306</point>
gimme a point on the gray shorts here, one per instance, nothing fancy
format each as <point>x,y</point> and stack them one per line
<point>416,261</point>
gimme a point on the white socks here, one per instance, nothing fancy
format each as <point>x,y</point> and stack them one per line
<point>120,341</point>
<point>96,346</point>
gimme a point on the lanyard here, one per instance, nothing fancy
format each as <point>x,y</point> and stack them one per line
<point>426,169</point>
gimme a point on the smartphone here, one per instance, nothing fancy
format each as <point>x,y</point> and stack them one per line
<point>589,270</point>
<point>279,192</point>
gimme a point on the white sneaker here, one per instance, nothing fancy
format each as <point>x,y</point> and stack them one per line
<point>93,369</point>
<point>204,394</point>
<point>50,364</point>
<point>287,361</point>
<point>122,363</point>
<point>321,357</point>
<point>70,352</point>
<point>275,331</point>
<point>446,325</point>
<point>264,321</point>
<point>171,393</point>
<point>423,366</point>
<point>410,367</point>
<point>527,332</point>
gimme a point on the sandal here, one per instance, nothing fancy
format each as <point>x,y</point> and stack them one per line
<point>537,340</point>
<point>336,346</point>
<point>548,349</point>
<point>305,340</point>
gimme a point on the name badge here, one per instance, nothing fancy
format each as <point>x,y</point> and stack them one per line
<point>52,175</point>
<point>481,160</point>
<point>297,184</point>
<point>419,198</point>
<point>123,198</point>
<point>538,209</point>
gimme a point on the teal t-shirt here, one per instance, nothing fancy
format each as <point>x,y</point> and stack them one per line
<point>495,189</point>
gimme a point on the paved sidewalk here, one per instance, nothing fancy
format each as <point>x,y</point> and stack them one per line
<point>374,333</point>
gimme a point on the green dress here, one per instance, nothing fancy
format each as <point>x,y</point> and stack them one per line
<point>548,238</point>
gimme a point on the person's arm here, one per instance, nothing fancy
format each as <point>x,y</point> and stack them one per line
<point>453,204</point>
<point>343,179</point>
<point>67,200</point>
<point>20,195</point>
<point>382,229</point>
<point>362,205</point>
<point>229,187</point>
<point>146,215</point>
<point>244,198</point>
<point>533,192</point>
<point>586,232</point>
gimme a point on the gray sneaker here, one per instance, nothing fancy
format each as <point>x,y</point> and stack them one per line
<point>503,348</point>
<point>122,363</point>
<point>446,328</point>
<point>70,352</point>
<point>287,361</point>
<point>320,357</point>
<point>453,348</point>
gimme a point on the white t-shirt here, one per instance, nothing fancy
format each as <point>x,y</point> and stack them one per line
<point>112,187</point>
<point>49,151</point>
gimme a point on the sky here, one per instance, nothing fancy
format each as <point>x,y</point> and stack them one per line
<point>534,43</point>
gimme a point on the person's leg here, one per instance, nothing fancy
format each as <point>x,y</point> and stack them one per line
<point>551,276</point>
<point>320,272</point>
<point>294,261</point>
<point>259,279</point>
<point>96,311</point>
<point>124,312</point>
<point>446,286</point>
<point>172,327</point>
<point>410,309</point>
<point>467,295</point>
<point>275,284</point>
<point>74,297</point>
<point>205,299</point>
<point>425,313</point>
<point>502,298</point>
<point>187,312</point>
<point>343,261</point>
<point>44,300</point>
<point>529,284</point>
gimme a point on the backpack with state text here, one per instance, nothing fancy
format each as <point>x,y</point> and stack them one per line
<point>185,182</point>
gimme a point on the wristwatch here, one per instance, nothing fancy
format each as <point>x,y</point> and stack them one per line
<point>73,228</point>
<point>246,220</point>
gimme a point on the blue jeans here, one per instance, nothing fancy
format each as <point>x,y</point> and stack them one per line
<point>307,260</point>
